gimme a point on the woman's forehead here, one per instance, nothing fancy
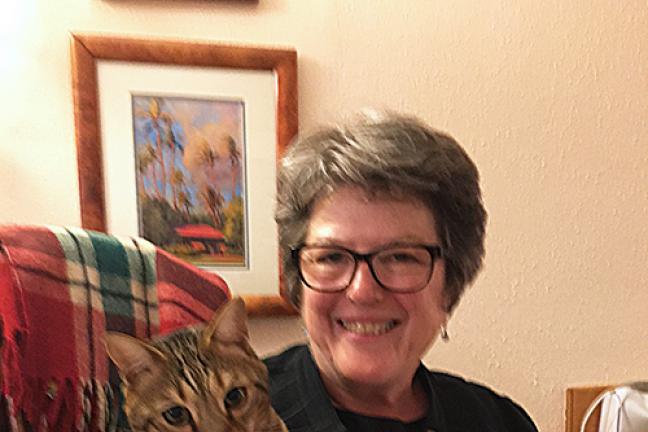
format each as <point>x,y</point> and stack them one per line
<point>374,192</point>
<point>353,216</point>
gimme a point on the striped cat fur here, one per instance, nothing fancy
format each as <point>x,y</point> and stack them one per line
<point>202,379</point>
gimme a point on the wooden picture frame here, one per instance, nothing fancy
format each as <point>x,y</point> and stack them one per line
<point>89,50</point>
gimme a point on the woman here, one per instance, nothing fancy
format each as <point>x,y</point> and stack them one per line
<point>381,228</point>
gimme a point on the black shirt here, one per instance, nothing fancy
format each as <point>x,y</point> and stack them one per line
<point>455,405</point>
<point>359,422</point>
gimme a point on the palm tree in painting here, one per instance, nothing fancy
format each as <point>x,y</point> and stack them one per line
<point>173,142</point>
<point>235,161</point>
<point>177,186</point>
<point>211,197</point>
<point>155,122</point>
<point>213,201</point>
<point>184,202</point>
<point>207,155</point>
<point>146,158</point>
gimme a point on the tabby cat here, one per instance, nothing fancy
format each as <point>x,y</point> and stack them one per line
<point>198,379</point>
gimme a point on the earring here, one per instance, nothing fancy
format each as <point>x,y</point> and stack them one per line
<point>445,337</point>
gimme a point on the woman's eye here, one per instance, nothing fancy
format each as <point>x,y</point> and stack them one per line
<point>235,397</point>
<point>177,416</point>
<point>331,258</point>
<point>402,257</point>
<point>409,257</point>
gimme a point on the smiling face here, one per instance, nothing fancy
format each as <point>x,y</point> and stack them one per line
<point>366,335</point>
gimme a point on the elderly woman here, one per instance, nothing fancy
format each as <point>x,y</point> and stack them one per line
<point>381,228</point>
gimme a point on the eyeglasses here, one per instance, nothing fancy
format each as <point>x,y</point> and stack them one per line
<point>400,268</point>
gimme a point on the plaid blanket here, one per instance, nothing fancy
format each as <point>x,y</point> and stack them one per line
<point>69,287</point>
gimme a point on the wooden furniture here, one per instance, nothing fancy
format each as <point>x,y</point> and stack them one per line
<point>578,399</point>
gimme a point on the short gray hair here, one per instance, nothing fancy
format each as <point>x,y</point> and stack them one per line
<point>393,154</point>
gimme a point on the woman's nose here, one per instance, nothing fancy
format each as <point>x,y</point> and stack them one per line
<point>364,288</point>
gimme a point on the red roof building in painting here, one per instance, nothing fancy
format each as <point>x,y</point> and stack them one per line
<point>203,237</point>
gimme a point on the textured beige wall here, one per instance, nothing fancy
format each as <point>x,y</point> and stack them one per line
<point>550,98</point>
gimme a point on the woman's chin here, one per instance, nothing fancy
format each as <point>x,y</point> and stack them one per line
<point>366,368</point>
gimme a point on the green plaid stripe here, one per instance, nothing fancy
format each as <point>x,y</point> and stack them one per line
<point>114,275</point>
<point>120,271</point>
<point>141,256</point>
<point>81,263</point>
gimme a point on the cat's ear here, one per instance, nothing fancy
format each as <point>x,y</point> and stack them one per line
<point>133,357</point>
<point>228,325</point>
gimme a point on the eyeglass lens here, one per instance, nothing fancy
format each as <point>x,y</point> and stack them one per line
<point>403,268</point>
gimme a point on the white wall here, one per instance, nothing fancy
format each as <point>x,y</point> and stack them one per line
<point>550,98</point>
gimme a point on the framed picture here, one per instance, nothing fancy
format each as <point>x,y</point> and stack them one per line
<point>177,142</point>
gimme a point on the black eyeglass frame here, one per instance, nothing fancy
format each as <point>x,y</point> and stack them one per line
<point>435,251</point>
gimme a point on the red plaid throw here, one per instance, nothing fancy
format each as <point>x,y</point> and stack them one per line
<point>70,286</point>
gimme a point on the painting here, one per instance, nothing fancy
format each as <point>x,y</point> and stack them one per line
<point>178,142</point>
<point>189,161</point>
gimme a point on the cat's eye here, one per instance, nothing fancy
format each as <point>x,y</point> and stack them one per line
<point>177,416</point>
<point>235,397</point>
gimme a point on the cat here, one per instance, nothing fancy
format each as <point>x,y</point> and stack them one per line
<point>205,379</point>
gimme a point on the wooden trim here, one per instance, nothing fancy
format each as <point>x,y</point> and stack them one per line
<point>87,135</point>
<point>87,50</point>
<point>577,401</point>
<point>268,306</point>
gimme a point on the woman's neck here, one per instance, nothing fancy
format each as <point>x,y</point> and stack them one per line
<point>406,402</point>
